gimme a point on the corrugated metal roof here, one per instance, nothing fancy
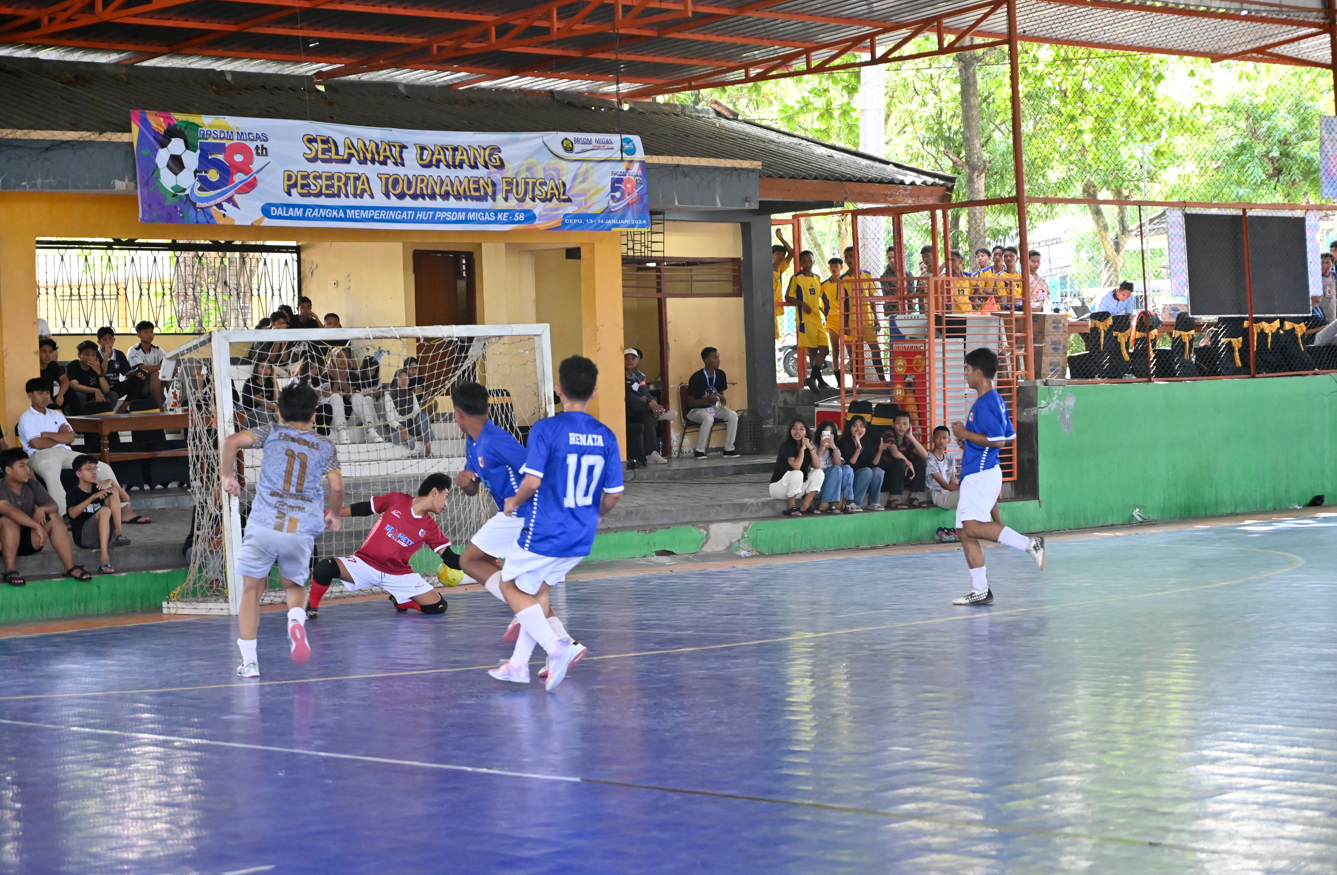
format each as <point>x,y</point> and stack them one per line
<point>97,98</point>
<point>609,47</point>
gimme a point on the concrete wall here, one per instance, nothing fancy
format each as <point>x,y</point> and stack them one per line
<point>556,283</point>
<point>373,269</point>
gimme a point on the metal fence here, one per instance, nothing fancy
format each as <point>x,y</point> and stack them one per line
<point>182,287</point>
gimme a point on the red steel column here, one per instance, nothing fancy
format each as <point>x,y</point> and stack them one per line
<point>1018,161</point>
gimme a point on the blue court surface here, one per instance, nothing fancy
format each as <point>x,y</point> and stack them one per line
<point>1159,701</point>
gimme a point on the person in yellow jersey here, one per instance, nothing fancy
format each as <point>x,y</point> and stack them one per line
<point>782,256</point>
<point>1009,293</point>
<point>805,290</point>
<point>837,316</point>
<point>861,327</point>
<point>961,283</point>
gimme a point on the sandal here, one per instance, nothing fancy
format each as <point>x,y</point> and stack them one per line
<point>137,520</point>
<point>893,504</point>
<point>915,502</point>
<point>83,576</point>
<point>832,509</point>
<point>791,511</point>
<point>808,511</point>
<point>13,578</point>
<point>120,541</point>
<point>105,568</point>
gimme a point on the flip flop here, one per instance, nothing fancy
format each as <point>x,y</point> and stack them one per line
<point>83,576</point>
<point>13,578</point>
<point>120,541</point>
<point>137,520</point>
<point>105,568</point>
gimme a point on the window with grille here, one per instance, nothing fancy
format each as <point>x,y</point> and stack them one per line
<point>182,287</point>
<point>682,278</point>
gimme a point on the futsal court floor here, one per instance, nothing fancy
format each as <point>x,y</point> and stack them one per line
<point>1156,701</point>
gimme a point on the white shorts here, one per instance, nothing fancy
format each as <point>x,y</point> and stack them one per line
<point>261,549</point>
<point>498,536</point>
<point>530,570</point>
<point>402,586</point>
<point>979,493</point>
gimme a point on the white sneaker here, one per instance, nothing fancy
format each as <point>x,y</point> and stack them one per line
<point>341,436</point>
<point>667,416</point>
<point>508,671</point>
<point>1037,551</point>
<point>248,670</point>
<point>975,597</point>
<point>656,458</point>
<point>559,662</point>
<point>373,437</point>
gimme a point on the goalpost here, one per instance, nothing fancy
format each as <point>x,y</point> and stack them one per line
<point>385,402</point>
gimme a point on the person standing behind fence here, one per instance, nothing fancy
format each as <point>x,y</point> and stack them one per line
<point>797,471</point>
<point>782,256</point>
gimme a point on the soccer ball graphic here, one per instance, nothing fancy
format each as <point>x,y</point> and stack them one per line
<point>177,165</point>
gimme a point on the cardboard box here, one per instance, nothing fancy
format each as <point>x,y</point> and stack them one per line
<point>1051,346</point>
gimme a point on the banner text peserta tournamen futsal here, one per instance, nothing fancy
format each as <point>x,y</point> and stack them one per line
<point>247,171</point>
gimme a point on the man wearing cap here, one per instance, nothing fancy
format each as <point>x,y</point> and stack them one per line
<point>1117,302</point>
<point>643,413</point>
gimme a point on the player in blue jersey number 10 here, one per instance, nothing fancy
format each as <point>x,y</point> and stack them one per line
<point>572,477</point>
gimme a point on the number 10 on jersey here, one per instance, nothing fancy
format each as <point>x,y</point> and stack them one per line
<point>583,476</point>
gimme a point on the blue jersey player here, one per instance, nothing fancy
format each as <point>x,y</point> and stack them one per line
<point>986,430</point>
<point>492,458</point>
<point>573,476</point>
<point>286,516</point>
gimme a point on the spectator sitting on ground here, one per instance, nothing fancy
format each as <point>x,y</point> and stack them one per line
<point>837,494</point>
<point>903,461</point>
<point>86,381</point>
<point>304,318</point>
<point>52,372</point>
<point>28,519</point>
<point>643,413</point>
<point>1117,302</point>
<point>46,436</point>
<point>94,511</point>
<point>943,489</point>
<point>706,404</point>
<point>866,461</point>
<point>797,471</point>
<point>407,421</point>
<point>258,404</point>
<point>146,360</point>
<point>115,366</point>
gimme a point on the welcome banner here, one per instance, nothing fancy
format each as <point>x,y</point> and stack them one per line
<point>222,169</point>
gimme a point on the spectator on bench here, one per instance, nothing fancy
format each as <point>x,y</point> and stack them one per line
<point>797,471</point>
<point>706,404</point>
<point>258,404</point>
<point>52,372</point>
<point>903,460</point>
<point>94,511</point>
<point>304,318</point>
<point>866,460</point>
<point>146,359</point>
<point>115,366</point>
<point>86,380</point>
<point>644,413</point>
<point>28,519</point>
<point>46,436</point>
<point>407,421</point>
<point>837,477</point>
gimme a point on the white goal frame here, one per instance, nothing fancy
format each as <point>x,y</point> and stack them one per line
<point>220,345</point>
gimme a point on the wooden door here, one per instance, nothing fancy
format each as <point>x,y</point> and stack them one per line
<point>443,288</point>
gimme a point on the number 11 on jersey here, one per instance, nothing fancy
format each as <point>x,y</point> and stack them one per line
<point>583,476</point>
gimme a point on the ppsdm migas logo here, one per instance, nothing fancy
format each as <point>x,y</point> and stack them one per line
<point>208,167</point>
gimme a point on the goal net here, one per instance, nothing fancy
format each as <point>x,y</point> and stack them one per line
<point>385,401</point>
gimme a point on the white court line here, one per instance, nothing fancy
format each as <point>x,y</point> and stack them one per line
<point>180,739</point>
<point>250,870</point>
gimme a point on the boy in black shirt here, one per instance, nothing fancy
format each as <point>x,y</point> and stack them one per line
<point>705,403</point>
<point>86,380</point>
<point>52,372</point>
<point>94,511</point>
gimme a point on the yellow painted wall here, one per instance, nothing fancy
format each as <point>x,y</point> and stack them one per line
<point>703,240</point>
<point>378,262</point>
<point>556,283</point>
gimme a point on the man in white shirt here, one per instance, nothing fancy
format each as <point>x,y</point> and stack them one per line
<point>46,435</point>
<point>146,358</point>
<point>1117,302</point>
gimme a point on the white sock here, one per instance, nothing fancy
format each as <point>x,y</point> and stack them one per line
<point>493,585</point>
<point>247,649</point>
<point>556,623</point>
<point>531,620</point>
<point>979,581</point>
<point>524,648</point>
<point>297,615</point>
<point>1014,539</point>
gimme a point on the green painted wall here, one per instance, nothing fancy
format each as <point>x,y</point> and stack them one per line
<point>110,594</point>
<point>632,545</point>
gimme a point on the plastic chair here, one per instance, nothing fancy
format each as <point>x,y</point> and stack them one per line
<point>686,423</point>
